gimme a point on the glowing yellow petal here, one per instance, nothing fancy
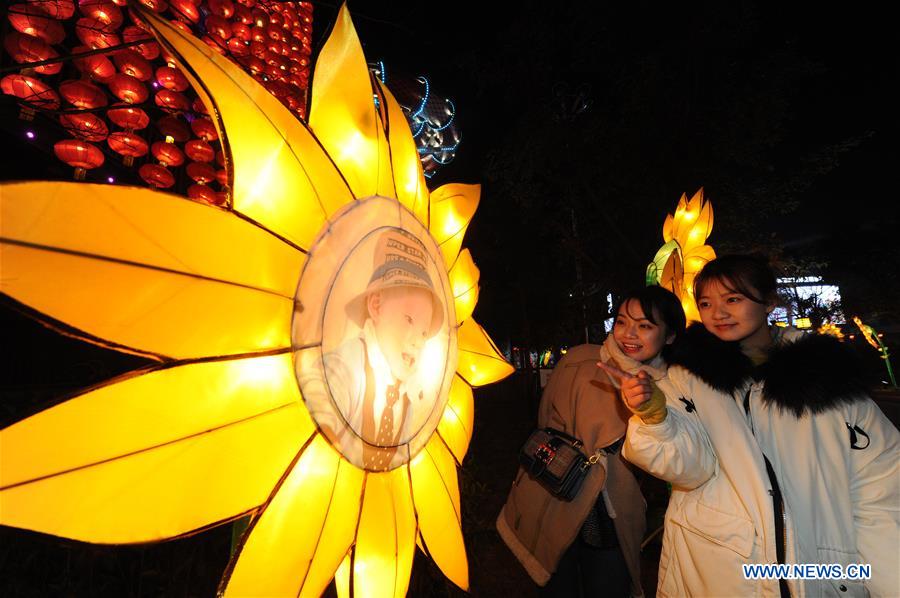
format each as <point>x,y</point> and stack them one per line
<point>152,311</point>
<point>342,578</point>
<point>436,496</point>
<point>452,207</point>
<point>668,227</point>
<point>281,177</point>
<point>464,281</point>
<point>701,229</point>
<point>167,232</point>
<point>480,362</point>
<point>299,540</point>
<point>156,455</point>
<point>698,257</point>
<point>455,426</point>
<point>409,179</point>
<point>386,540</point>
<point>343,113</point>
<point>686,216</point>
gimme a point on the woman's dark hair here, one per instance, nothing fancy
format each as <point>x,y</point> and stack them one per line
<point>749,275</point>
<point>657,301</point>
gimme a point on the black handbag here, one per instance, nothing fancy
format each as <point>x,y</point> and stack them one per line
<point>555,460</point>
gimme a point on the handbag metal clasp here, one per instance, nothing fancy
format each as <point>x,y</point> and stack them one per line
<point>545,453</point>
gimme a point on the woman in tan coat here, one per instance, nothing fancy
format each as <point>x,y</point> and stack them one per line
<point>591,545</point>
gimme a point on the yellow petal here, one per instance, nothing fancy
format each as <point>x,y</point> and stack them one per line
<point>464,281</point>
<point>455,426</point>
<point>698,257</point>
<point>701,229</point>
<point>672,277</point>
<point>343,113</point>
<point>342,578</point>
<point>436,497</point>
<point>686,216</point>
<point>668,227</point>
<point>386,540</point>
<point>151,311</point>
<point>409,179</point>
<point>452,207</point>
<point>167,232</point>
<point>480,362</point>
<point>155,455</point>
<point>295,546</point>
<point>281,177</point>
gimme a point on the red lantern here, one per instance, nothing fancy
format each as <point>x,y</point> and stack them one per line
<point>222,177</point>
<point>216,43</point>
<point>133,63</point>
<point>133,33</point>
<point>171,78</point>
<point>199,107</point>
<point>202,173</point>
<point>201,192</point>
<point>95,66</point>
<point>258,49</point>
<point>130,119</point>
<point>184,10</point>
<point>58,9</point>
<point>79,154</point>
<point>32,92</point>
<point>25,49</point>
<point>96,34</point>
<point>247,3</point>
<point>172,101</point>
<point>258,34</point>
<point>156,176</point>
<point>167,153</point>
<point>204,129</point>
<point>85,125</point>
<point>218,26</point>
<point>33,20</point>
<point>104,11</point>
<point>241,31</point>
<point>158,6</point>
<point>129,145</point>
<point>242,14</point>
<point>220,158</point>
<point>222,8</point>
<point>174,127</point>
<point>82,94</point>
<point>238,47</point>
<point>199,151</point>
<point>275,19</point>
<point>128,89</point>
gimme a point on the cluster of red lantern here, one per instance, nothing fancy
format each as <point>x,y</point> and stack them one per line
<point>109,80</point>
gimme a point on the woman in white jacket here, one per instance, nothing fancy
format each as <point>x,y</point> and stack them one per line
<point>774,451</point>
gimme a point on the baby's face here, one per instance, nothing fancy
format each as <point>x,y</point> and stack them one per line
<point>402,318</point>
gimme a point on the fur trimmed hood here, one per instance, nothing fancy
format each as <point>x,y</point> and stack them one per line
<point>813,374</point>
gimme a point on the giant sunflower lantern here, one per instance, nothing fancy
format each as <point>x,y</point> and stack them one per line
<point>314,346</point>
<point>684,253</point>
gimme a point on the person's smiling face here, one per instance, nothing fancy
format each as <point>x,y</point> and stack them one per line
<point>730,315</point>
<point>402,318</point>
<point>636,336</point>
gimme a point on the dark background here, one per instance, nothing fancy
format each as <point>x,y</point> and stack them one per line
<point>584,123</point>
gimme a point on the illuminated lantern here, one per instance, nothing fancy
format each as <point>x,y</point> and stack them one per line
<point>33,20</point>
<point>128,145</point>
<point>133,33</point>
<point>128,89</point>
<point>155,5</point>
<point>222,177</point>
<point>25,49</point>
<point>241,32</point>
<point>199,151</point>
<point>82,94</point>
<point>241,308</point>
<point>221,8</point>
<point>85,125</point>
<point>171,78</point>
<point>96,34</point>
<point>199,107</point>
<point>103,11</point>
<point>80,155</point>
<point>167,153</point>
<point>174,127</point>
<point>171,101</point>
<point>132,63</point>
<point>220,158</point>
<point>200,172</point>
<point>684,254</point>
<point>238,47</point>
<point>201,192</point>
<point>57,9</point>
<point>258,34</point>
<point>242,15</point>
<point>258,49</point>
<point>156,176</point>
<point>204,129</point>
<point>32,93</point>
<point>218,26</point>
<point>130,119</point>
<point>184,10</point>
<point>95,66</point>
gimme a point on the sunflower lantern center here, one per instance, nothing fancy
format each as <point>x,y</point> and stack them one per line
<point>374,333</point>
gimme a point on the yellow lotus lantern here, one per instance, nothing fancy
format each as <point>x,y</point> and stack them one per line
<point>314,346</point>
<point>684,254</point>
